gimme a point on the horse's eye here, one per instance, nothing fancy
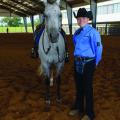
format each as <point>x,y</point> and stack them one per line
<point>60,15</point>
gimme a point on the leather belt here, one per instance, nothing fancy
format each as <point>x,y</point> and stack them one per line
<point>83,58</point>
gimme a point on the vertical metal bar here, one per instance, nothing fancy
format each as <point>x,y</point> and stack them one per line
<point>69,16</point>
<point>32,22</point>
<point>25,23</point>
<point>41,18</point>
<point>93,7</point>
<point>106,29</point>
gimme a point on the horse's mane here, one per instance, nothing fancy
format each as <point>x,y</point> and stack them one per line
<point>51,1</point>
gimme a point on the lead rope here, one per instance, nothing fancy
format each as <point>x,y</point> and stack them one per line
<point>59,55</point>
<point>46,52</point>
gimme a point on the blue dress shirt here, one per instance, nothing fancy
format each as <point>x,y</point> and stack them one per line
<point>87,42</point>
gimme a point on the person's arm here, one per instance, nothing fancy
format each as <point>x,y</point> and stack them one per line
<point>74,42</point>
<point>78,31</point>
<point>98,47</point>
<point>63,32</point>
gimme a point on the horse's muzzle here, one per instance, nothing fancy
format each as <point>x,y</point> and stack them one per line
<point>54,37</point>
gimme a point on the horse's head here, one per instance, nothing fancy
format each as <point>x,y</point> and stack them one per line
<point>53,19</point>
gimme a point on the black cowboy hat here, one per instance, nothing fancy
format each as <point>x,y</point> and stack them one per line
<point>82,12</point>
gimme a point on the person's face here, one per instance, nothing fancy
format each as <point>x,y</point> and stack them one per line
<point>82,21</point>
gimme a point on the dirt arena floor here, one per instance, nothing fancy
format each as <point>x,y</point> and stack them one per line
<point>22,91</point>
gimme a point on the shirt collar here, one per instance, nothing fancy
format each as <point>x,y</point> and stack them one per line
<point>86,26</point>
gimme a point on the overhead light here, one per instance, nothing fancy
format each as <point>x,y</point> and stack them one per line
<point>19,0</point>
<point>5,0</point>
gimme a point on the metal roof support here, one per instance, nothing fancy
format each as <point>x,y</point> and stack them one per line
<point>25,23</point>
<point>32,22</point>
<point>69,15</point>
<point>68,7</point>
<point>12,11</point>
<point>106,30</point>
<point>93,7</point>
<point>16,8</point>
<point>63,4</point>
<point>30,9</point>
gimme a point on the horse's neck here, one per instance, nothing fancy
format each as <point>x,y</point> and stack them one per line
<point>56,48</point>
<point>47,42</point>
<point>46,39</point>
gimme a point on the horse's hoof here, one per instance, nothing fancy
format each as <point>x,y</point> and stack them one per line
<point>59,100</point>
<point>47,102</point>
<point>51,82</point>
<point>47,106</point>
<point>34,53</point>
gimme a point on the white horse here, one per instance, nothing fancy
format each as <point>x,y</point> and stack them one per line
<point>51,46</point>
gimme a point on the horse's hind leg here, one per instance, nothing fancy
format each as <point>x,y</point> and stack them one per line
<point>58,82</point>
<point>47,94</point>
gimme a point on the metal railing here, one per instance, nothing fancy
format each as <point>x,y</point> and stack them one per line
<point>106,28</point>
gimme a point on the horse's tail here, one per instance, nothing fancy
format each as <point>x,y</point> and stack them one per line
<point>40,71</point>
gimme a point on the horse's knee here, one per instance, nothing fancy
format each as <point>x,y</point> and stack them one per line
<point>59,69</point>
<point>58,80</point>
<point>47,81</point>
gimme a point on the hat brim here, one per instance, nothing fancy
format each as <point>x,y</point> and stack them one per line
<point>89,15</point>
<point>76,16</point>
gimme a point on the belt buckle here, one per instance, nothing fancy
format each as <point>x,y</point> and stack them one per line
<point>78,58</point>
<point>84,59</point>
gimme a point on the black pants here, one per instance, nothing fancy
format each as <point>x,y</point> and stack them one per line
<point>84,89</point>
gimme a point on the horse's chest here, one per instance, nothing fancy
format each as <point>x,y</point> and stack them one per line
<point>54,55</point>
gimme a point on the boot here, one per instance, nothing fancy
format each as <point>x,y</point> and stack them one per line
<point>66,57</point>
<point>66,52</point>
<point>34,51</point>
<point>34,54</point>
<point>66,47</point>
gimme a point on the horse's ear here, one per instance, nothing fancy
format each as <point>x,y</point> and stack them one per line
<point>58,2</point>
<point>45,2</point>
<point>74,14</point>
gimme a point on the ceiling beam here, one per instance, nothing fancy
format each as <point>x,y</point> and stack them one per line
<point>18,9</point>
<point>40,5</point>
<point>87,1</point>
<point>37,1</point>
<point>12,11</point>
<point>25,6</point>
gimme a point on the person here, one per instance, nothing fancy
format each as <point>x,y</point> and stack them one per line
<point>7,30</point>
<point>37,34</point>
<point>87,54</point>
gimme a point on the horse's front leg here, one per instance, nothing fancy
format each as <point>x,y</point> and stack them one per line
<point>58,82</point>
<point>47,94</point>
